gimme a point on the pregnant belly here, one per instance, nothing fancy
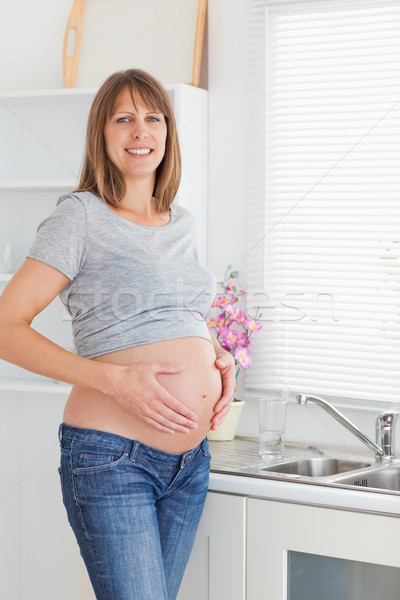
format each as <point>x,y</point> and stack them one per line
<point>198,386</point>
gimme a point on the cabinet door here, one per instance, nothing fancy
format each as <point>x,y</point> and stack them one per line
<point>328,552</point>
<point>37,546</point>
<point>10,525</point>
<point>216,568</point>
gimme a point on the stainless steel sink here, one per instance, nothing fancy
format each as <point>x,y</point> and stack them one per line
<point>307,465</point>
<point>316,467</point>
<point>384,478</point>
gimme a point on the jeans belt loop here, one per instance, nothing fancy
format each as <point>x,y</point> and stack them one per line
<point>134,451</point>
<point>204,447</point>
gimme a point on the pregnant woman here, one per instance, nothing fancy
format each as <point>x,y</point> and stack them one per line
<point>148,380</point>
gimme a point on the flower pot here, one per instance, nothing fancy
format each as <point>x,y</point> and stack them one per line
<point>227,430</point>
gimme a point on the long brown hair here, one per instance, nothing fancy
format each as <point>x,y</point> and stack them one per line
<point>99,175</point>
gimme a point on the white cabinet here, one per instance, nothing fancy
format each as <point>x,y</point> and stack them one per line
<point>37,547</point>
<point>298,552</point>
<point>217,566</point>
<point>258,549</point>
<point>41,146</point>
<point>40,153</point>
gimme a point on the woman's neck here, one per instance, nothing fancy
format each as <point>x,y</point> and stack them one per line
<point>138,196</point>
<point>138,206</point>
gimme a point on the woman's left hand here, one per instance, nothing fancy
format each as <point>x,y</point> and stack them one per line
<point>226,364</point>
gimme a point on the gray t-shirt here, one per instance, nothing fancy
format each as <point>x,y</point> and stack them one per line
<point>129,284</point>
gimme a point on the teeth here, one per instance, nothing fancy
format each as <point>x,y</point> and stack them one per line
<point>138,150</point>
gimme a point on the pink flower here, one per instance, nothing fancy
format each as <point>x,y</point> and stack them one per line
<point>231,310</point>
<point>241,339</point>
<point>221,322</point>
<point>236,315</point>
<point>242,355</point>
<point>222,300</point>
<point>229,337</point>
<point>240,317</point>
<point>235,342</point>
<point>252,325</point>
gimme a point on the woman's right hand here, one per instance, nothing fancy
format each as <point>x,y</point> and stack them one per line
<point>138,391</point>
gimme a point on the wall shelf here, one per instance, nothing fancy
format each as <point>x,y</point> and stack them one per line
<point>51,185</point>
<point>46,386</point>
<point>49,96</point>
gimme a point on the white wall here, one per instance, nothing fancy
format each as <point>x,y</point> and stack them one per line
<point>228,143</point>
<point>31,43</point>
<point>227,77</point>
<point>32,40</point>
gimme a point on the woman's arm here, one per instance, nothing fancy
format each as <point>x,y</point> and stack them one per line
<point>226,364</point>
<point>135,387</point>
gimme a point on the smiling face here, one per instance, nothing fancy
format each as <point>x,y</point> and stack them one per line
<point>135,137</point>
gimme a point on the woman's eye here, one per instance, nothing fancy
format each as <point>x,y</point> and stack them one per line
<point>153,119</point>
<point>123,120</point>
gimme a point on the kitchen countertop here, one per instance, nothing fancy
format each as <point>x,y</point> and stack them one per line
<point>236,469</point>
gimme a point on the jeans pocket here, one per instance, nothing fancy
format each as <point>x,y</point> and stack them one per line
<point>87,458</point>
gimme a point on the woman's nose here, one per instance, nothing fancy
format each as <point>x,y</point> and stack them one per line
<point>140,130</point>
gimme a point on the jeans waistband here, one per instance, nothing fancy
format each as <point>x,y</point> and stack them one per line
<point>67,434</point>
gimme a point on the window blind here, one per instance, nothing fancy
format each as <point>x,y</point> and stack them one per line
<point>324,210</point>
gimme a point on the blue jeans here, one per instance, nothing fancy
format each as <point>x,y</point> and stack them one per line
<point>134,511</point>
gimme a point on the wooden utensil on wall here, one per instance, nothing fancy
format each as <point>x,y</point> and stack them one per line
<point>164,37</point>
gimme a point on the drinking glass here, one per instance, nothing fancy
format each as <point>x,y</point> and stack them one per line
<point>272,421</point>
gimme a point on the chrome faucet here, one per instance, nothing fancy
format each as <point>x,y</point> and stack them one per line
<point>385,432</point>
<point>384,427</point>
